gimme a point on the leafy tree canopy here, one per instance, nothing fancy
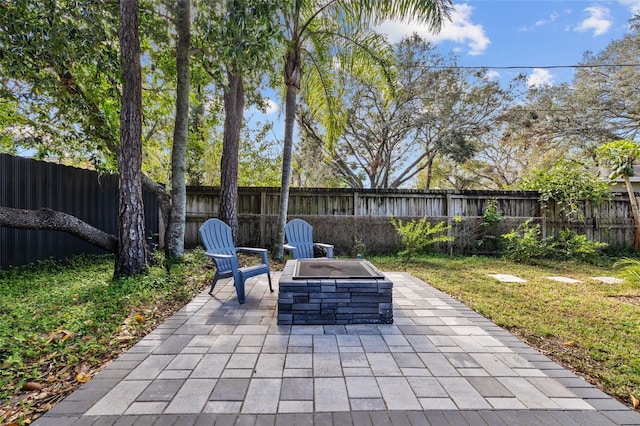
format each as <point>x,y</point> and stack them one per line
<point>569,183</point>
<point>620,156</point>
<point>434,110</point>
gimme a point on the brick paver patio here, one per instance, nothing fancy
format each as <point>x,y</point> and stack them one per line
<point>440,363</point>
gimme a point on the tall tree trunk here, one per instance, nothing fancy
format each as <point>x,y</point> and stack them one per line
<point>132,252</point>
<point>234,110</point>
<point>175,229</point>
<point>292,81</point>
<point>635,211</point>
<point>427,184</point>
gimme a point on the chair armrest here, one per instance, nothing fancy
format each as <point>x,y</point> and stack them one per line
<point>219,255</point>
<point>253,250</point>
<point>323,245</point>
<point>292,249</point>
<point>224,261</point>
<point>328,247</point>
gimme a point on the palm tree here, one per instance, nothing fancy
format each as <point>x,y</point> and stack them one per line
<point>315,30</point>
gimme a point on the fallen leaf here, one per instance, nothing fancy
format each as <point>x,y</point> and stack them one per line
<point>635,401</point>
<point>83,377</point>
<point>66,334</point>
<point>32,386</point>
<point>569,343</point>
<point>139,317</point>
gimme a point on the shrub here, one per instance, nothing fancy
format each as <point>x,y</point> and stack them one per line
<point>358,249</point>
<point>491,214</point>
<point>491,217</point>
<point>572,246</point>
<point>418,235</point>
<point>526,243</point>
<point>523,243</point>
<point>569,183</point>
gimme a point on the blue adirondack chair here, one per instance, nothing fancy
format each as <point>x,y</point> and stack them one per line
<point>299,235</point>
<point>218,243</point>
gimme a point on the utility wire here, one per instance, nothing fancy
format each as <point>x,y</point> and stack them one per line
<point>510,67</point>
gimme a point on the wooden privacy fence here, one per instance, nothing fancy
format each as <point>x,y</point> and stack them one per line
<point>359,220</point>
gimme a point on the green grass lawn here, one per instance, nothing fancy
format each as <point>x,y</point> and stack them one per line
<point>590,327</point>
<point>60,323</point>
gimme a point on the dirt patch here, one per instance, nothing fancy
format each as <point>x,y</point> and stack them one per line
<point>632,300</point>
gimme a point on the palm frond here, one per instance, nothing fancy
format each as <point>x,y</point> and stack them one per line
<point>430,12</point>
<point>335,50</point>
<point>629,269</point>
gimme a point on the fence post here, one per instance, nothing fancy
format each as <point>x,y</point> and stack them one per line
<point>449,222</point>
<point>543,213</point>
<point>354,229</point>
<point>263,218</point>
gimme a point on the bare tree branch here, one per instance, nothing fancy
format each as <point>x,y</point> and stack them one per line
<point>48,219</point>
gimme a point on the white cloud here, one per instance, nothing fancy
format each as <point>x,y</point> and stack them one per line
<point>492,75</point>
<point>271,107</point>
<point>552,18</point>
<point>634,5</point>
<point>599,20</point>
<point>540,78</point>
<point>460,29</point>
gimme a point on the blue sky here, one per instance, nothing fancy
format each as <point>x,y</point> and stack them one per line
<point>532,33</point>
<point>506,33</point>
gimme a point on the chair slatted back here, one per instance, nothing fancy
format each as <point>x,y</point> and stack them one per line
<point>216,238</point>
<point>300,234</point>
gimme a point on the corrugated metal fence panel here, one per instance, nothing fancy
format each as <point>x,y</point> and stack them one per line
<point>30,184</point>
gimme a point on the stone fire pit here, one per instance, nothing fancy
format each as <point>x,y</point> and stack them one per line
<point>333,291</point>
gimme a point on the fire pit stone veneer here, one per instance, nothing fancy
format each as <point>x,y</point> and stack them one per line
<point>331,291</point>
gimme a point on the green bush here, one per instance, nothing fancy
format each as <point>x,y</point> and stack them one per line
<point>491,214</point>
<point>572,246</point>
<point>569,183</point>
<point>487,238</point>
<point>416,236</point>
<point>525,244</point>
